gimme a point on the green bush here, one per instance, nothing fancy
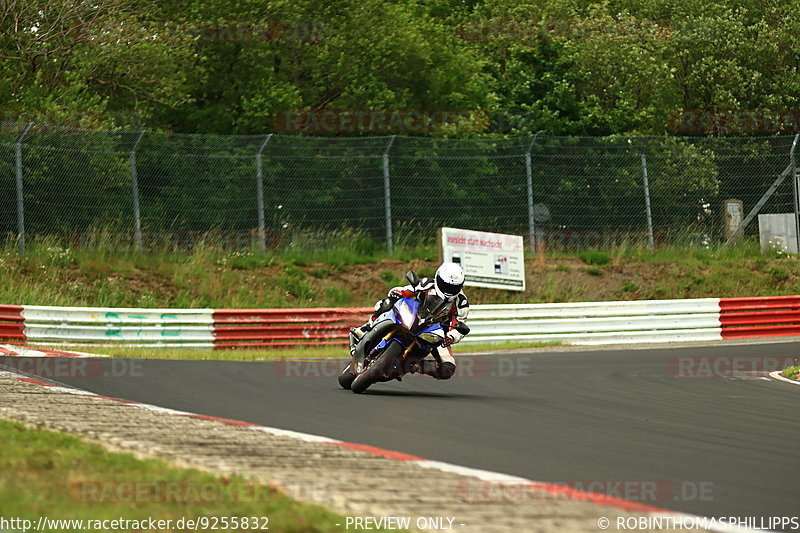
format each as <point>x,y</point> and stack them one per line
<point>792,372</point>
<point>595,257</point>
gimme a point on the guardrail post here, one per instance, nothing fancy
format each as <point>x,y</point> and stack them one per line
<point>529,174</point>
<point>796,184</point>
<point>20,198</point>
<point>137,216</point>
<point>387,196</point>
<point>262,233</point>
<point>647,200</point>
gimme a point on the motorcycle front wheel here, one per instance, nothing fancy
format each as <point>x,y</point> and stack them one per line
<point>346,376</point>
<point>377,371</point>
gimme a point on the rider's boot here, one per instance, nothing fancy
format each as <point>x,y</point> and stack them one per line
<point>356,334</point>
<point>430,368</point>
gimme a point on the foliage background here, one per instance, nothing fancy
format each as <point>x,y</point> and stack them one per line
<point>561,67</point>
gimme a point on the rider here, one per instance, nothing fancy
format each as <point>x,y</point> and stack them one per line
<point>447,284</point>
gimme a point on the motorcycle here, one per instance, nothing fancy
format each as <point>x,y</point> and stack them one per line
<point>400,337</point>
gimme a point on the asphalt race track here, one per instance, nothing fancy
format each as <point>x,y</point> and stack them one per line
<point>714,444</point>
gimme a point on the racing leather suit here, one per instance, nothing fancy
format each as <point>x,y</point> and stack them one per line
<point>440,363</point>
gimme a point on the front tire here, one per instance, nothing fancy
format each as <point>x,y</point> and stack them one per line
<point>378,369</point>
<point>346,376</point>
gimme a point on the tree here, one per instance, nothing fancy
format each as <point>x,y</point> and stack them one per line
<point>87,63</point>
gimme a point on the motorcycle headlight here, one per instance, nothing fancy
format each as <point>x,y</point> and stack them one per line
<point>432,338</point>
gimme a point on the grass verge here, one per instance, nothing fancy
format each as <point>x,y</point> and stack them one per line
<point>133,352</point>
<point>62,477</point>
<point>355,272</point>
<point>792,372</point>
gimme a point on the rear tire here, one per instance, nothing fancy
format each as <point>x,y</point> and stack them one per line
<point>375,372</point>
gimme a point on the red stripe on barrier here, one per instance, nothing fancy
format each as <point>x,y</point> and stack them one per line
<point>285,327</point>
<point>5,351</point>
<point>760,316</point>
<point>12,323</point>
<point>16,333</point>
<point>13,311</point>
<point>262,337</point>
<point>759,302</point>
<point>279,334</point>
<point>765,317</point>
<point>761,331</point>
<point>277,344</point>
<point>272,316</point>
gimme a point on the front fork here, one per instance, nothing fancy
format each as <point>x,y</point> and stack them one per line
<point>402,364</point>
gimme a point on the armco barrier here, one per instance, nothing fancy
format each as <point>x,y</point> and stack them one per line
<point>12,323</point>
<point>597,322</point>
<point>569,323</point>
<point>237,328</point>
<point>760,316</point>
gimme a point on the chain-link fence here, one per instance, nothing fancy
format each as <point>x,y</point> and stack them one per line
<point>156,191</point>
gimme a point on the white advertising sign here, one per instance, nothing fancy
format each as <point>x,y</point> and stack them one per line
<point>492,260</point>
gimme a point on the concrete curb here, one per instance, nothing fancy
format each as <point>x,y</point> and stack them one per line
<point>777,375</point>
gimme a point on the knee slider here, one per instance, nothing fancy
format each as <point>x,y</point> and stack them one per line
<point>447,370</point>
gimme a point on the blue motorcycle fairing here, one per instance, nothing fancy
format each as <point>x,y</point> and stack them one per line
<point>395,315</point>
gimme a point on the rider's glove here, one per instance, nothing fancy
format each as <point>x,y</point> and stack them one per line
<point>452,337</point>
<point>383,306</point>
<point>395,294</point>
<point>456,333</point>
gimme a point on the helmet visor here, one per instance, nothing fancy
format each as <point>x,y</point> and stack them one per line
<point>448,289</point>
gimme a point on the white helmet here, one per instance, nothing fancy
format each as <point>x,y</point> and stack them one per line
<point>449,280</point>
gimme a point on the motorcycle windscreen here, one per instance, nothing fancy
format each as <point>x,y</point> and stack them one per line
<point>433,308</point>
<point>406,310</point>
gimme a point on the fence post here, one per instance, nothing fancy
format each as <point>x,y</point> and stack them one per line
<point>137,215</point>
<point>387,195</point>
<point>647,200</point>
<point>796,183</point>
<point>529,174</point>
<point>262,233</point>
<point>20,198</point>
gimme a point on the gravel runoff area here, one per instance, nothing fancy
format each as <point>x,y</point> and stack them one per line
<point>350,482</point>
